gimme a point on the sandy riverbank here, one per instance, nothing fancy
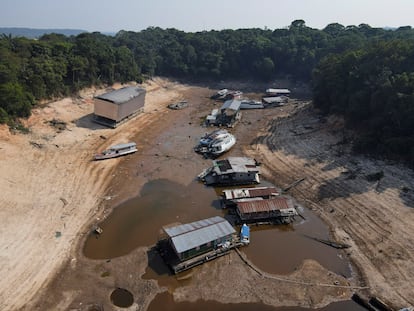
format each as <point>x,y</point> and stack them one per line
<point>52,191</point>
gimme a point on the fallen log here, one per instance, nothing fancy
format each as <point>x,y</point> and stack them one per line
<point>333,244</point>
<point>294,184</point>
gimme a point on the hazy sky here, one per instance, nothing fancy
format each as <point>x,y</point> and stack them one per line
<point>197,15</point>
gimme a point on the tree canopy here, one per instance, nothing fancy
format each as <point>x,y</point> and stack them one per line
<point>365,74</point>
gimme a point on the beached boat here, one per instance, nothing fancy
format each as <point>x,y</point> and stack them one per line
<point>215,143</point>
<point>232,171</point>
<point>251,104</point>
<point>117,151</point>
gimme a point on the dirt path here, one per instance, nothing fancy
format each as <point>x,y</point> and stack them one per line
<point>52,192</point>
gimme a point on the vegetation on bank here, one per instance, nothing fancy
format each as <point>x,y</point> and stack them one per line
<point>365,74</point>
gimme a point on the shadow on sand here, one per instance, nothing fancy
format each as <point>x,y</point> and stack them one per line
<point>87,122</point>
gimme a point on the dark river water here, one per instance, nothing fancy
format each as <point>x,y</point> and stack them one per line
<point>275,249</point>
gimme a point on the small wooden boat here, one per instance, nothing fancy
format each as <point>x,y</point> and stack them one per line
<point>117,151</point>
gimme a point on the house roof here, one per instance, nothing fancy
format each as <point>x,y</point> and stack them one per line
<point>269,205</point>
<point>235,164</point>
<point>232,104</point>
<point>189,236</point>
<point>230,194</point>
<point>123,95</point>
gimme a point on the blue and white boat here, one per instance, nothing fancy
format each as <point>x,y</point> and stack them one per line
<point>245,234</point>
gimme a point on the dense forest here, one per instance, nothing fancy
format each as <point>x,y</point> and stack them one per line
<point>362,73</point>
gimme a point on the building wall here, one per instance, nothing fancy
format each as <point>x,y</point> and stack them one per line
<point>202,248</point>
<point>105,109</point>
<point>118,112</point>
<point>132,106</point>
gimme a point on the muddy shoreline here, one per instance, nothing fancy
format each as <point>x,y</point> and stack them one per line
<point>291,142</point>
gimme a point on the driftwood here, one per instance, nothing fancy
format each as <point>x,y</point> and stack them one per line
<point>294,184</point>
<point>330,243</point>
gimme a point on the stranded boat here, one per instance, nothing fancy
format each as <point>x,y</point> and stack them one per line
<point>117,151</point>
<point>215,143</point>
<point>231,171</point>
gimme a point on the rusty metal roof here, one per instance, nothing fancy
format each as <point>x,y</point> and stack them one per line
<point>268,205</point>
<point>189,236</point>
<point>123,95</point>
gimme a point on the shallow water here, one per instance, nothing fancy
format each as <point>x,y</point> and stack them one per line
<point>165,302</point>
<point>275,249</point>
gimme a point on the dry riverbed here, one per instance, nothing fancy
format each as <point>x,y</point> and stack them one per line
<point>53,194</point>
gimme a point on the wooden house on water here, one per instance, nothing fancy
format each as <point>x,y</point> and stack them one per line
<point>279,209</point>
<point>232,196</point>
<point>188,245</point>
<point>232,171</point>
<point>228,114</point>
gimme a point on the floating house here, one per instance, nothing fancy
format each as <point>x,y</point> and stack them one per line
<point>116,107</point>
<point>228,114</point>
<point>188,245</point>
<point>232,171</point>
<point>232,196</point>
<point>275,210</point>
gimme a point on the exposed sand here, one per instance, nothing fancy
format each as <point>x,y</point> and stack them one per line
<point>51,191</point>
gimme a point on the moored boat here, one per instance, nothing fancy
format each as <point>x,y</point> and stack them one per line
<point>245,234</point>
<point>232,171</point>
<point>117,151</point>
<point>215,143</point>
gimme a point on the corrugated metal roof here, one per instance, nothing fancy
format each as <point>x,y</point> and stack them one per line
<point>122,95</point>
<point>278,91</point>
<point>268,205</point>
<point>249,192</point>
<point>236,164</point>
<point>232,104</point>
<point>189,236</point>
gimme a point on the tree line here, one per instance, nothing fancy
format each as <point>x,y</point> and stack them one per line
<point>360,72</point>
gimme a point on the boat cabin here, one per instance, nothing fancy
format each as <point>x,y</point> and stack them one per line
<point>117,151</point>
<point>232,171</point>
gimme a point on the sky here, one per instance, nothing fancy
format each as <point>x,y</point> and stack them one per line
<point>197,15</point>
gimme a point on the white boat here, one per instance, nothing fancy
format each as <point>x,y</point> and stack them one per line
<point>216,143</point>
<point>117,151</point>
<point>251,104</point>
